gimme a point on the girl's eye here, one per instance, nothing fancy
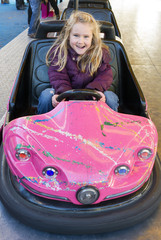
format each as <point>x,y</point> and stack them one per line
<point>75,35</point>
<point>86,36</point>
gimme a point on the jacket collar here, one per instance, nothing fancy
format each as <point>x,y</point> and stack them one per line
<point>72,53</point>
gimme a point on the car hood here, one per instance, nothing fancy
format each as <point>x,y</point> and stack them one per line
<point>83,138</point>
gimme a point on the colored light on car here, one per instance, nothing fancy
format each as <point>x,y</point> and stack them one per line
<point>122,170</point>
<point>50,172</point>
<point>87,195</point>
<point>23,154</point>
<point>144,154</point>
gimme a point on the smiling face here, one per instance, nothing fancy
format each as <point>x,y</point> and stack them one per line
<point>81,37</point>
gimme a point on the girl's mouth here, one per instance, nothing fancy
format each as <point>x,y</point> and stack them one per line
<point>81,47</point>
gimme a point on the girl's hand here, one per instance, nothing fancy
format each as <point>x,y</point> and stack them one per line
<point>103,98</point>
<point>54,101</point>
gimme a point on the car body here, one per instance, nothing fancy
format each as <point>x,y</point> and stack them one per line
<point>82,144</point>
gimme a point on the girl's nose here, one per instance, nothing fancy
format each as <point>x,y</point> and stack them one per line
<point>80,40</point>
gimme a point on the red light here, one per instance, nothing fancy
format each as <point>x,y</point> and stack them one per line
<point>145,153</point>
<point>22,154</point>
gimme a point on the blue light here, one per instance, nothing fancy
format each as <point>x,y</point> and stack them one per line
<point>50,172</point>
<point>122,170</point>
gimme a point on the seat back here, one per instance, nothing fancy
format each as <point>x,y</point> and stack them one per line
<point>48,29</point>
<point>39,78</point>
<point>90,3</point>
<point>100,14</point>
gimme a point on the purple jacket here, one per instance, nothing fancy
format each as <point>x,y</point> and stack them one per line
<point>72,78</point>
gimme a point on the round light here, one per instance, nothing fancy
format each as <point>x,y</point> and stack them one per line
<point>23,154</point>
<point>87,195</point>
<point>144,154</point>
<point>122,170</point>
<point>50,172</point>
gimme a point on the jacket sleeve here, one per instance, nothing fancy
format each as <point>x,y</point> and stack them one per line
<point>103,77</point>
<point>59,80</point>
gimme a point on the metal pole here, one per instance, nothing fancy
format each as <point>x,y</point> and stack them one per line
<point>76,4</point>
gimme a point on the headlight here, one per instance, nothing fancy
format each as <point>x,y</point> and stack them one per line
<point>22,154</point>
<point>87,195</point>
<point>144,154</point>
<point>122,170</point>
<point>50,172</point>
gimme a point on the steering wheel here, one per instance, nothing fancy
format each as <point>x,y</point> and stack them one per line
<point>79,94</point>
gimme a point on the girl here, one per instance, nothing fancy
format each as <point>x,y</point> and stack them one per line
<point>78,60</point>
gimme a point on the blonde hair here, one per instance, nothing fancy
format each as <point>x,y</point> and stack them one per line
<point>92,58</point>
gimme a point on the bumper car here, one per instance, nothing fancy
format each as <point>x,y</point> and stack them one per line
<point>81,168</point>
<point>100,14</point>
<point>90,3</point>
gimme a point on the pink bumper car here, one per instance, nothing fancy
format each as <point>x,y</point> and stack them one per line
<point>82,167</point>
